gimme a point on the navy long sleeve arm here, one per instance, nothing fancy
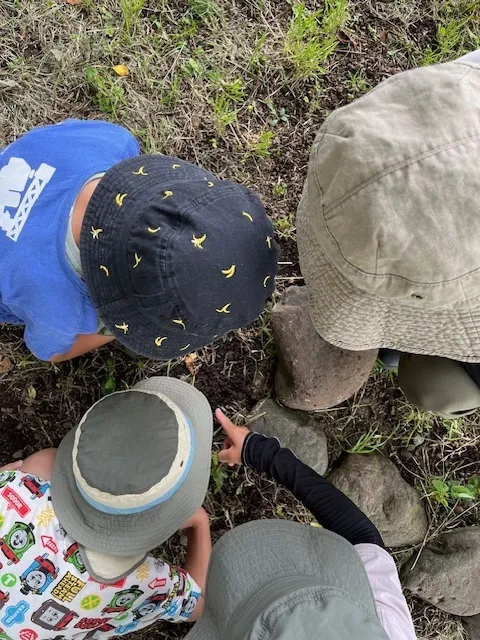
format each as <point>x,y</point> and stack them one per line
<point>330,507</point>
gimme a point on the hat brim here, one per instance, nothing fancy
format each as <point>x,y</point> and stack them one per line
<point>257,553</point>
<point>356,320</point>
<point>132,535</point>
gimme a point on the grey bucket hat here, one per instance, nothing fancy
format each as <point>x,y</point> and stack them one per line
<point>135,468</point>
<point>273,579</point>
<point>389,220</point>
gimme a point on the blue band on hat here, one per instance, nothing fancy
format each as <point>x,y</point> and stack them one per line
<point>125,512</point>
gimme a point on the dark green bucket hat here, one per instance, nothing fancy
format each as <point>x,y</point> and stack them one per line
<point>273,580</point>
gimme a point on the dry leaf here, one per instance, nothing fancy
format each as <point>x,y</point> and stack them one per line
<point>121,70</point>
<point>189,362</point>
<point>5,364</point>
<point>346,38</point>
<point>32,392</point>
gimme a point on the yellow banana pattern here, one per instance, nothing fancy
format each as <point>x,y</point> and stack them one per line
<point>230,272</point>
<point>123,327</point>
<point>180,322</point>
<point>225,308</point>
<point>138,259</point>
<point>197,242</point>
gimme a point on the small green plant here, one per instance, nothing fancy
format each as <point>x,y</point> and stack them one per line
<point>206,11</point>
<point>369,442</point>
<point>109,383</point>
<point>224,112</point>
<point>359,84</point>
<point>276,116</point>
<point>285,226</point>
<point>280,189</point>
<point>130,11</point>
<point>446,492</point>
<point>261,146</point>
<point>312,36</point>
<point>218,474</point>
<point>458,31</point>
<point>109,95</point>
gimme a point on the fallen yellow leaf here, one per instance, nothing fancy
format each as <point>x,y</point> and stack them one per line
<point>121,70</point>
<point>189,362</point>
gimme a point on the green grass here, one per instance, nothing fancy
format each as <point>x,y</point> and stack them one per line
<point>457,31</point>
<point>312,36</point>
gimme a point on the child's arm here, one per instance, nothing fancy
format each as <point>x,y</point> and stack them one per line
<point>331,508</point>
<point>199,549</point>
<point>83,344</point>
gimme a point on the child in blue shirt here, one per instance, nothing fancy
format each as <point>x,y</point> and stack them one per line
<point>99,242</point>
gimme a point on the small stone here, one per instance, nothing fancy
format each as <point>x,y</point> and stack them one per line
<point>472,627</point>
<point>295,430</point>
<point>312,374</point>
<point>375,485</point>
<point>447,572</point>
<point>5,364</point>
<point>18,455</point>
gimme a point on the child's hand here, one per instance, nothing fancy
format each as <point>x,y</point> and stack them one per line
<point>233,445</point>
<point>12,466</point>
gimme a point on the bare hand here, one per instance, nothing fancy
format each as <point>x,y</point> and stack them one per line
<point>12,466</point>
<point>199,518</point>
<point>233,445</point>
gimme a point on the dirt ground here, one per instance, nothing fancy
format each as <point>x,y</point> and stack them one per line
<point>241,87</point>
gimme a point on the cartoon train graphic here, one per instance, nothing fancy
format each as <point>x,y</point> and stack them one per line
<point>6,477</point>
<point>123,600</point>
<point>53,616</point>
<point>17,542</point>
<point>39,576</point>
<point>4,598</point>
<point>72,555</point>
<point>151,604</point>
<point>36,488</point>
<point>97,634</point>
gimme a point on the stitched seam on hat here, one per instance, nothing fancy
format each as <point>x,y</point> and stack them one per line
<point>400,165</point>
<point>470,311</point>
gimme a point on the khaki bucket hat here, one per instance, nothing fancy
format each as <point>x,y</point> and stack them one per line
<point>389,222</point>
<point>132,472</point>
<point>273,580</point>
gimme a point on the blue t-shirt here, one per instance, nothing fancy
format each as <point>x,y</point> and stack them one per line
<point>41,175</point>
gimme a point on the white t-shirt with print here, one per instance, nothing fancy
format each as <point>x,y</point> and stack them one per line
<point>45,590</point>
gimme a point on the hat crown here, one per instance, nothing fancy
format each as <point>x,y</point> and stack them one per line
<point>132,449</point>
<point>393,187</point>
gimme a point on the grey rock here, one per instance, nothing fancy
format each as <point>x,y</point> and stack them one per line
<point>472,627</point>
<point>312,374</point>
<point>295,430</point>
<point>447,572</point>
<point>375,485</point>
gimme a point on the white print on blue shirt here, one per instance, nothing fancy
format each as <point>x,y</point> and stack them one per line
<point>14,178</point>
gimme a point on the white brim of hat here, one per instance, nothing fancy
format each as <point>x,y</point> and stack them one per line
<point>132,536</point>
<point>258,553</point>
<point>356,320</point>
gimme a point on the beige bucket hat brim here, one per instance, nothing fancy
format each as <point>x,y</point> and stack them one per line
<point>356,320</point>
